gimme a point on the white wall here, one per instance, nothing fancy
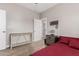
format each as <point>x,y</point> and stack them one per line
<point>19,19</point>
<point>68,16</point>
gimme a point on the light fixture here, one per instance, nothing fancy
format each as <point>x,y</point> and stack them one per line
<point>35,3</point>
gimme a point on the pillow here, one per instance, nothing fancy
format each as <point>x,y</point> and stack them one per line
<point>74,43</point>
<point>64,40</point>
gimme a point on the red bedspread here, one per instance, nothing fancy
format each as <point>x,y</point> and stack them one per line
<point>58,49</point>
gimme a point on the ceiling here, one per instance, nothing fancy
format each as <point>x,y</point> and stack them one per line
<point>38,7</point>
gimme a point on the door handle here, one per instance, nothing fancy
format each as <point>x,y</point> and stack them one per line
<point>4,31</point>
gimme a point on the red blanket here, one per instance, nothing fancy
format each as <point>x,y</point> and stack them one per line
<point>58,49</point>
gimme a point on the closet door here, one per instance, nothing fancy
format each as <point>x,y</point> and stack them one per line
<point>38,28</point>
<point>2,29</point>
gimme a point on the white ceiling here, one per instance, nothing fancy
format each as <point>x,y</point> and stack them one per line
<point>38,7</point>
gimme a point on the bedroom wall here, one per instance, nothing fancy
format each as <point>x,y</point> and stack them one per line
<point>19,19</point>
<point>68,16</point>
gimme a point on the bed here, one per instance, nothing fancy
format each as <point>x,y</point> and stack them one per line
<point>66,46</point>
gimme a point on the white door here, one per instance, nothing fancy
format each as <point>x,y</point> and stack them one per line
<point>2,29</point>
<point>38,30</point>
